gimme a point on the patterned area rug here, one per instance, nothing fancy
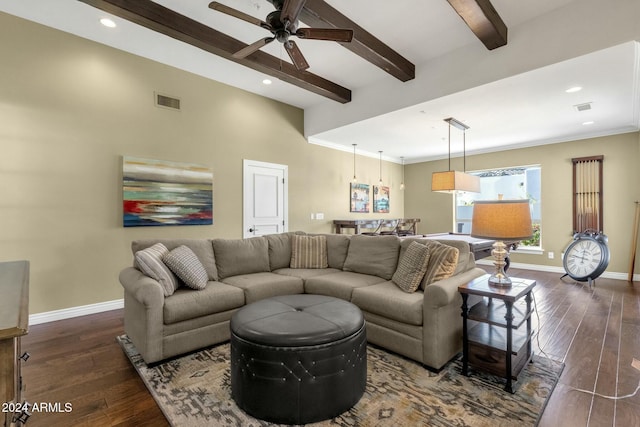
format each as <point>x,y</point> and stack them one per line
<point>195,390</point>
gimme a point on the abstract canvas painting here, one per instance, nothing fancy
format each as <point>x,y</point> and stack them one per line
<point>157,192</point>
<point>359,197</point>
<point>380,199</point>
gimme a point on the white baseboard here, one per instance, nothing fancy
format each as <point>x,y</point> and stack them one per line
<point>68,313</point>
<point>554,269</point>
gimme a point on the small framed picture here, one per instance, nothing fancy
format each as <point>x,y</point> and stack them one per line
<point>359,195</point>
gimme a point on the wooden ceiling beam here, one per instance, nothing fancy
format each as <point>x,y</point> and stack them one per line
<point>319,14</point>
<point>165,21</point>
<point>483,20</point>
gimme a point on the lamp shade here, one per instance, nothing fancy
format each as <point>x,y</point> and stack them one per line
<point>450,181</point>
<point>501,220</point>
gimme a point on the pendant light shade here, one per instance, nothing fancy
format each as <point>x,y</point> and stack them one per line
<point>452,181</point>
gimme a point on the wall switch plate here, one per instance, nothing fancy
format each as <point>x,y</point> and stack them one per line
<point>320,215</point>
<point>551,255</point>
<point>313,216</point>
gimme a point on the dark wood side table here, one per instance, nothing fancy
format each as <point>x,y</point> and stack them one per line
<point>14,323</point>
<point>497,343</point>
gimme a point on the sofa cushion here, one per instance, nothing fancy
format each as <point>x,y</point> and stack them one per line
<point>241,256</point>
<point>280,249</point>
<point>442,262</point>
<point>412,267</point>
<point>309,252</point>
<point>149,261</point>
<point>186,265</point>
<point>201,247</point>
<point>187,303</point>
<point>339,285</point>
<point>305,273</point>
<point>258,286</point>
<point>387,300</point>
<point>337,248</point>
<point>375,255</point>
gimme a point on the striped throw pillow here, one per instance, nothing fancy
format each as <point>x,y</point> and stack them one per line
<point>442,262</point>
<point>412,267</point>
<point>150,262</point>
<point>186,265</point>
<point>308,252</point>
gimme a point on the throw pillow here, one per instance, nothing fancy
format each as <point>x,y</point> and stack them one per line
<point>308,252</point>
<point>186,265</point>
<point>150,262</point>
<point>412,267</point>
<point>442,262</point>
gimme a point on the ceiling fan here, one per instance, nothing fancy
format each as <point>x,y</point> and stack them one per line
<point>283,23</point>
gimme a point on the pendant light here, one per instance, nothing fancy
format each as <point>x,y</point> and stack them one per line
<point>380,175</point>
<point>402,182</point>
<point>452,181</point>
<point>354,180</point>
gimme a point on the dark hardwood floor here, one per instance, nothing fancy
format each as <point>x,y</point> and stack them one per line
<point>595,332</point>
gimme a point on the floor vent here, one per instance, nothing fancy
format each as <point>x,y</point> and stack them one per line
<point>166,101</point>
<point>583,107</point>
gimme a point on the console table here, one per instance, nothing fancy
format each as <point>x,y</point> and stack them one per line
<point>358,224</point>
<point>497,343</point>
<point>14,323</point>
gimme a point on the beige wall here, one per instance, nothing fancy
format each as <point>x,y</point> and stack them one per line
<point>70,109</point>
<point>621,189</point>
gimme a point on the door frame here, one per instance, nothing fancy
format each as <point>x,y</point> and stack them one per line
<point>246,163</point>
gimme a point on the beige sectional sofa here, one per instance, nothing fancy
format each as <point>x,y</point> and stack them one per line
<point>424,325</point>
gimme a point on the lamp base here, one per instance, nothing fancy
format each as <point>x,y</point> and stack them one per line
<point>499,278</point>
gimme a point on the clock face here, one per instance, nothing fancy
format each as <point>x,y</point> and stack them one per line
<point>582,258</point>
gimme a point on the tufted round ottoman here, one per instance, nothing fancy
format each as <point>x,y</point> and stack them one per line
<point>298,359</point>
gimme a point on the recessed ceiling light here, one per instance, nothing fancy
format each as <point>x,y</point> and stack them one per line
<point>574,89</point>
<point>266,82</point>
<point>108,22</point>
<point>588,123</point>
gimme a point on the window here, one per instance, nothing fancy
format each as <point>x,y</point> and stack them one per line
<point>509,183</point>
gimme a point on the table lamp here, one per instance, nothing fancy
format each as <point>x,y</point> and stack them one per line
<point>501,220</point>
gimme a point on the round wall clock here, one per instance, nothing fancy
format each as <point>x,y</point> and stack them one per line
<point>586,257</point>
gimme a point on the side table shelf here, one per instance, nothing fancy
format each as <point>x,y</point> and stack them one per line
<point>14,323</point>
<point>497,343</point>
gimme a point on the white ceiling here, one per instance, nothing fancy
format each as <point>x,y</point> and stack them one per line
<point>526,106</point>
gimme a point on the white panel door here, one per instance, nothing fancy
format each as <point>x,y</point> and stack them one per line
<point>265,198</point>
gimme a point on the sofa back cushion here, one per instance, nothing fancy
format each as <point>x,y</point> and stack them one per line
<point>280,249</point>
<point>375,255</point>
<point>337,248</point>
<point>201,247</point>
<point>241,256</point>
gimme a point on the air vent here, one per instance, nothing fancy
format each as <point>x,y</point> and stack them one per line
<point>166,101</point>
<point>583,107</point>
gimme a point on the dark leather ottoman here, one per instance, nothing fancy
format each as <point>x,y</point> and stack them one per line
<point>298,359</point>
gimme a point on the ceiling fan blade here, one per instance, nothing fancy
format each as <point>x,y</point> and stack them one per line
<point>296,55</point>
<point>248,50</point>
<point>237,14</point>
<point>290,11</point>
<point>334,34</point>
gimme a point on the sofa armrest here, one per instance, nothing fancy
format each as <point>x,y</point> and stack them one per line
<point>143,313</point>
<point>445,292</point>
<point>144,289</point>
